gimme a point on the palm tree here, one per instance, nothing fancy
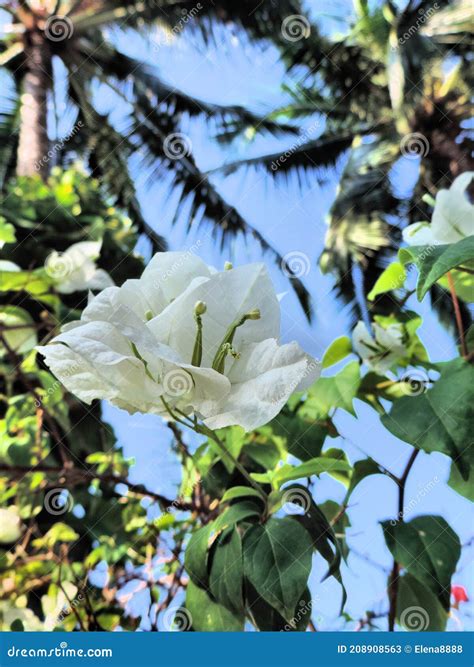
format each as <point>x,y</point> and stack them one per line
<point>74,31</point>
<point>383,93</point>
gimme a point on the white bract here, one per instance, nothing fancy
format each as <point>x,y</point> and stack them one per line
<point>184,339</point>
<point>75,269</point>
<point>381,350</point>
<point>452,220</point>
<point>10,526</point>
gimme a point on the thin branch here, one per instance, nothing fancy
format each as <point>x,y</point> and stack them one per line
<point>395,573</point>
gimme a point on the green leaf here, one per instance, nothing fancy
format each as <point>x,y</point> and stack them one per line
<point>441,419</point>
<point>417,608</point>
<point>392,278</point>
<point>207,615</point>
<point>302,438</point>
<point>267,619</point>
<point>196,556</point>
<point>226,576</point>
<point>428,549</point>
<point>7,232</point>
<point>240,492</point>
<point>463,284</point>
<point>236,513</point>
<point>463,487</point>
<point>433,262</point>
<point>277,562</point>
<point>328,393</point>
<point>322,535</point>
<point>338,350</point>
<point>317,466</point>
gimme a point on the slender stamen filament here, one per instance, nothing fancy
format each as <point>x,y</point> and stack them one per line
<point>225,347</point>
<point>199,310</point>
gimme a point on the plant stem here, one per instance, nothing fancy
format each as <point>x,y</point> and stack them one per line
<point>457,314</point>
<point>211,434</point>
<point>395,573</point>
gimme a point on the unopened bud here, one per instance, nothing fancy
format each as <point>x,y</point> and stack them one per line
<point>200,308</point>
<point>228,266</point>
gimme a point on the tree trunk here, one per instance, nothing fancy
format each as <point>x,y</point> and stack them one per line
<point>33,143</point>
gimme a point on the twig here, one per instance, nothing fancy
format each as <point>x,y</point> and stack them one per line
<point>394,575</point>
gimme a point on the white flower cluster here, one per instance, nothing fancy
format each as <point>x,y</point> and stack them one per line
<point>184,339</point>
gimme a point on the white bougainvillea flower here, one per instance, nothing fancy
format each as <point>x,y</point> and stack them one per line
<point>184,337</point>
<point>453,216</point>
<point>75,269</point>
<point>381,350</point>
<point>10,526</point>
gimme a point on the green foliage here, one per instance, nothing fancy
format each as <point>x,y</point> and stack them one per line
<point>433,262</point>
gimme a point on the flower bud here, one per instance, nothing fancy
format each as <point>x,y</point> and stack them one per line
<point>253,315</point>
<point>200,308</point>
<point>228,266</point>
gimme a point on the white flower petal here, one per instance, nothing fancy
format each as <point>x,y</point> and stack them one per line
<point>420,233</point>
<point>172,272</point>
<point>227,295</point>
<point>262,380</point>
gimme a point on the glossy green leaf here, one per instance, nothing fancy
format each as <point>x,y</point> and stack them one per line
<point>208,616</point>
<point>337,391</point>
<point>433,262</point>
<point>317,466</point>
<point>338,350</point>
<point>429,549</point>
<point>277,562</point>
<point>237,492</point>
<point>441,419</point>
<point>418,609</point>
<point>196,556</point>
<point>391,279</point>
<point>226,575</point>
